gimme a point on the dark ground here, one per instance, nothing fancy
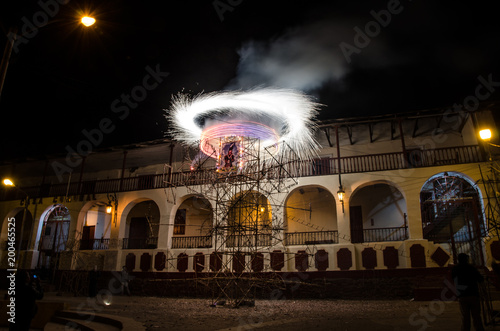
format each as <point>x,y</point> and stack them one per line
<point>157,314</point>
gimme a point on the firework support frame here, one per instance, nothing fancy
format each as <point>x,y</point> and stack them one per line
<point>246,221</point>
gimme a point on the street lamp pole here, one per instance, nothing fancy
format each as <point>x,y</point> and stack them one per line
<point>11,39</point>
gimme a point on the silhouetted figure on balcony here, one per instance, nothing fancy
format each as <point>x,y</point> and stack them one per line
<point>467,279</point>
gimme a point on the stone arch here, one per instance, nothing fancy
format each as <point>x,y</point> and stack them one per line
<point>360,185</point>
<point>451,210</point>
<point>197,212</point>
<point>139,224</point>
<point>53,234</point>
<point>127,201</point>
<point>311,215</point>
<point>377,212</point>
<point>250,210</point>
<point>93,214</point>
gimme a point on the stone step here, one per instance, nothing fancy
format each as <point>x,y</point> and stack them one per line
<point>86,322</point>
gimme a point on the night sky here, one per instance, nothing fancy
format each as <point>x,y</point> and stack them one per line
<point>357,58</point>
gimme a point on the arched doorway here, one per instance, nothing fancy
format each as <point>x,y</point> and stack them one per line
<point>96,229</point>
<point>249,220</point>
<point>143,222</point>
<point>193,224</point>
<point>451,215</point>
<point>311,216</point>
<point>54,236</point>
<point>377,213</point>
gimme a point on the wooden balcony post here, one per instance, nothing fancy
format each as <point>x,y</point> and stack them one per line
<point>123,169</point>
<point>401,133</point>
<point>81,176</point>
<point>338,148</point>
<point>172,145</point>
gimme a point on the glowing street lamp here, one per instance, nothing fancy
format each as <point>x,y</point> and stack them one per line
<point>87,21</point>
<point>7,182</point>
<point>485,134</point>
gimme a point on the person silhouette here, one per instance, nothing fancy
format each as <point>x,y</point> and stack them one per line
<point>93,280</point>
<point>125,279</point>
<point>467,279</point>
<point>28,290</point>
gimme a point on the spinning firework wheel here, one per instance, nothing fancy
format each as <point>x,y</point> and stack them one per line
<point>250,149</point>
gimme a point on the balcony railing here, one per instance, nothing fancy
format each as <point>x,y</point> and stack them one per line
<point>140,243</point>
<point>311,238</point>
<point>385,234</point>
<point>192,242</point>
<point>413,158</point>
<point>94,244</point>
<point>248,240</point>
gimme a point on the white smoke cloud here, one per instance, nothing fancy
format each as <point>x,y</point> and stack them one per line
<point>304,58</point>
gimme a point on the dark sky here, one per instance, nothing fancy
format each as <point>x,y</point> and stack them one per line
<point>358,58</point>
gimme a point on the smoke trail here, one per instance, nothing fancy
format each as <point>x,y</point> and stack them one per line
<point>303,58</point>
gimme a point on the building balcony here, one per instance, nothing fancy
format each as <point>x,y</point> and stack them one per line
<point>192,242</point>
<point>140,243</point>
<point>94,244</point>
<point>385,234</point>
<point>249,240</point>
<point>412,158</point>
<point>311,238</point>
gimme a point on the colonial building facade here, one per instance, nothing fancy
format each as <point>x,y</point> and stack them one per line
<point>398,191</point>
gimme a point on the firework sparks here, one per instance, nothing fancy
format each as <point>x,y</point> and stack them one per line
<point>269,114</point>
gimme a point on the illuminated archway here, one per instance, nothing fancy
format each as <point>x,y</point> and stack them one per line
<point>142,225</point>
<point>377,212</point>
<point>452,215</point>
<point>54,235</point>
<point>311,216</point>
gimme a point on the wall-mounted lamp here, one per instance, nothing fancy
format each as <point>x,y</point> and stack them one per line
<point>341,195</point>
<point>112,202</point>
